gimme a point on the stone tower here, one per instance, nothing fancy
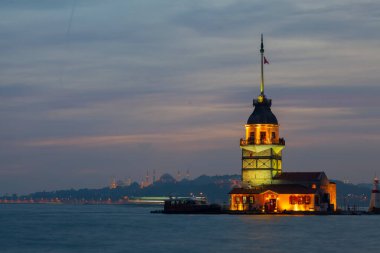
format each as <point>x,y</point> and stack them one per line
<point>262,146</point>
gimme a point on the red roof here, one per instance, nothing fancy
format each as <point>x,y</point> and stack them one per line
<point>278,188</point>
<point>300,176</point>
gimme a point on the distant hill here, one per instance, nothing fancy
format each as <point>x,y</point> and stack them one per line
<point>368,186</point>
<point>216,189</point>
<point>350,194</point>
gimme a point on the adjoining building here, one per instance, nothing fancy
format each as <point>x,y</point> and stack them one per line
<point>265,187</point>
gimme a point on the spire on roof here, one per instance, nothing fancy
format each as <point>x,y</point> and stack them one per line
<point>262,66</point>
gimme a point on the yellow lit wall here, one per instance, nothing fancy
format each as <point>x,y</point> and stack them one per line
<point>241,206</point>
<point>332,192</point>
<point>282,202</point>
<point>257,177</point>
<point>258,128</point>
<point>259,167</point>
<point>261,158</point>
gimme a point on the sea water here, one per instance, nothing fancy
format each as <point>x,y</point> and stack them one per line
<point>128,228</point>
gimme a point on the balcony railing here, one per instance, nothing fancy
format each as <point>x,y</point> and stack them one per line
<point>280,141</point>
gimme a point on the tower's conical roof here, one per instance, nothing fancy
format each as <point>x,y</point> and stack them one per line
<point>262,113</point>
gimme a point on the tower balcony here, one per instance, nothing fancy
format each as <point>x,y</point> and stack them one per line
<point>280,141</point>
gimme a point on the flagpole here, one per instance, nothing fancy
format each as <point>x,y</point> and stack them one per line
<point>262,66</point>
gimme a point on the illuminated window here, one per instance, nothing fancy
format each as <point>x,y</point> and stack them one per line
<point>293,200</point>
<point>244,199</point>
<point>237,200</point>
<point>263,136</point>
<point>251,200</point>
<point>251,137</point>
<point>314,186</point>
<point>300,200</point>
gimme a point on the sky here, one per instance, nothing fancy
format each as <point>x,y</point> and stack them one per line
<point>92,90</point>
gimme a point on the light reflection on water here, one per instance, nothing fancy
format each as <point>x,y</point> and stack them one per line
<point>64,228</point>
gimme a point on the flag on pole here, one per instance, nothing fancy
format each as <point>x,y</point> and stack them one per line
<point>266,61</point>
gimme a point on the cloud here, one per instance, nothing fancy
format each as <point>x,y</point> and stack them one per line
<point>196,137</point>
<point>132,77</point>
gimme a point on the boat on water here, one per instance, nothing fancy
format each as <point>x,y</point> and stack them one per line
<point>190,205</point>
<point>147,200</point>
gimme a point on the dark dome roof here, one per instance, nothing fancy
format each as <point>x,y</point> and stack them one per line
<point>167,178</point>
<point>262,113</point>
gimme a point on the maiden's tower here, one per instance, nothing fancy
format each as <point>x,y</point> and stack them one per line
<point>265,186</point>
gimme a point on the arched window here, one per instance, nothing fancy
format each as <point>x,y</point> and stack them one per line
<point>293,200</point>
<point>251,138</point>
<point>263,137</point>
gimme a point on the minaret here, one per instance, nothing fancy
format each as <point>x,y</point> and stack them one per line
<point>374,204</point>
<point>154,177</point>
<point>113,184</point>
<point>262,147</point>
<point>147,178</point>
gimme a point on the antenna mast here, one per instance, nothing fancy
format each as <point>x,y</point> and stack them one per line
<point>262,66</point>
